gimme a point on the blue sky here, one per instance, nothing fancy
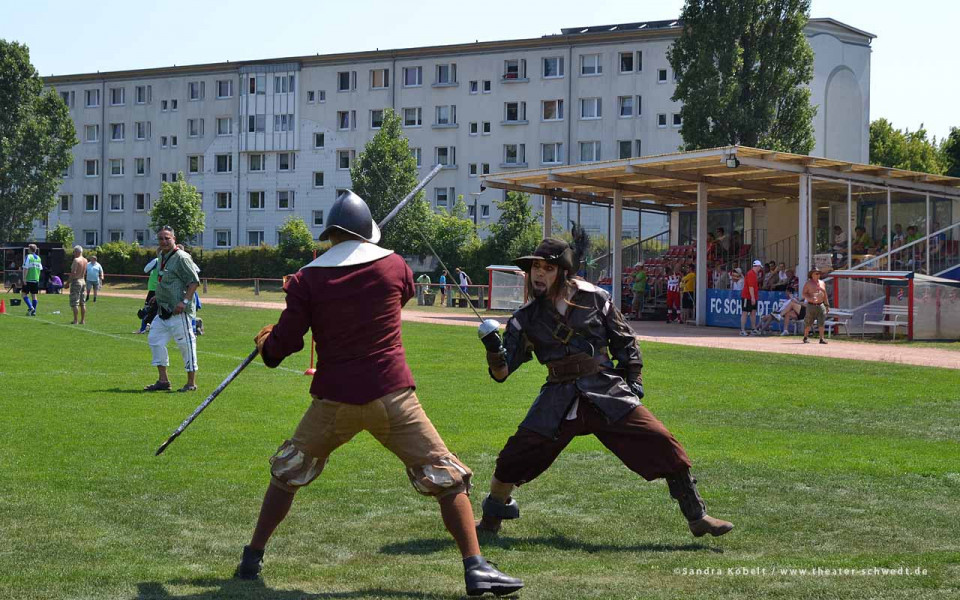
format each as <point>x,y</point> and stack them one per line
<point>915,77</point>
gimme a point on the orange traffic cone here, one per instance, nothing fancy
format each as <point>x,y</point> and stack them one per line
<point>3,307</point>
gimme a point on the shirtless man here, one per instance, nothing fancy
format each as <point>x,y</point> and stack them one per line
<point>815,295</point>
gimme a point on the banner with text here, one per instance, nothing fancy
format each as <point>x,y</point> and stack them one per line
<point>723,306</point>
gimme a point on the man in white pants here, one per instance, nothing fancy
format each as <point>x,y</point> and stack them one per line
<point>176,283</point>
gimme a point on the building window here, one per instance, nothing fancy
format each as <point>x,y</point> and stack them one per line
<point>282,123</point>
<point>142,129</point>
<point>321,95</point>
<point>318,179</point>
<point>224,200</point>
<point>91,133</point>
<point>195,90</point>
<point>446,156</point>
<point>590,108</point>
<point>472,170</point>
<point>412,117</point>
<point>626,62</point>
<point>286,161</point>
<point>589,151</point>
<point>224,126</point>
<point>163,106</point>
<point>257,200</point>
<point>225,88</point>
<point>223,238</point>
<point>552,110</point>
<point>446,115</point>
<point>515,112</point>
<point>662,120</point>
<point>552,67</point>
<point>283,84</point>
<point>346,81</point>
<point>446,74</point>
<point>141,202</point>
<point>475,87</point>
<point>624,146</point>
<point>344,160</point>
<point>173,141</point>
<point>487,86</point>
<point>68,98</point>
<point>91,98</point>
<point>258,84</point>
<point>590,64</point>
<point>116,132</point>
<point>318,218</point>
<point>376,118</point>
<point>224,163</point>
<point>255,237</point>
<point>311,96</point>
<point>485,128</point>
<point>344,119</point>
<point>514,154</point>
<point>484,211</point>
<point>194,127</point>
<point>116,235</point>
<point>195,164</point>
<point>551,154</point>
<point>140,166</point>
<point>514,69</point>
<point>257,163</point>
<point>412,76</point>
<point>142,94</point>
<point>173,104</point>
<point>90,238</point>
<point>379,78</point>
<point>91,202</point>
<point>417,156</point>
<point>116,202</point>
<point>256,123</point>
<point>677,120</point>
<point>285,199</point>
<point>661,75</point>
<point>91,168</point>
<point>639,105</point>
<point>485,168</point>
<point>318,140</point>
<point>474,128</point>
<point>117,96</point>
<point>441,196</point>
<point>67,172</point>
<point>140,236</point>
<point>637,148</point>
<point>163,141</point>
<point>626,105</point>
<point>116,167</point>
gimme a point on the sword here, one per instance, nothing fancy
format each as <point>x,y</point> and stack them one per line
<point>253,355</point>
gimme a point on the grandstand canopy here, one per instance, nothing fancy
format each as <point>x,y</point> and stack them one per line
<point>731,176</point>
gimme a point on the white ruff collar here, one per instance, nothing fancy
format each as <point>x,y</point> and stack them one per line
<point>347,254</point>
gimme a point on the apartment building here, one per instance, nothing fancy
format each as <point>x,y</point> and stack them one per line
<point>267,140</point>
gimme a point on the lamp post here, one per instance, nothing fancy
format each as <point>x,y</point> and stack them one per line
<point>476,207</point>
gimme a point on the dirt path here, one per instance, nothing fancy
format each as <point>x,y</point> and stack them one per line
<point>704,337</point>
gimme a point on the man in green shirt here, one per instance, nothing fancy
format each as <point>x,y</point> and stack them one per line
<point>32,266</point>
<point>639,287</point>
<point>177,281</point>
<point>423,286</point>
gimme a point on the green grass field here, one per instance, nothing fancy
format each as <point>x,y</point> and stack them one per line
<point>820,463</point>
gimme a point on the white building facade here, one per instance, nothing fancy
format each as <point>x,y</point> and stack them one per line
<point>267,140</point>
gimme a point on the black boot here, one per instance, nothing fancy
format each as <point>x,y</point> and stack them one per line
<point>250,564</point>
<point>482,577</point>
<point>683,488</point>
<point>494,512</point>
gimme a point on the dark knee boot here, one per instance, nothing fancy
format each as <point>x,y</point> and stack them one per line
<point>250,564</point>
<point>683,488</point>
<point>494,512</point>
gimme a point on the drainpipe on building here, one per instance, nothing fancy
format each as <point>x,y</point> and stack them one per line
<point>103,150</point>
<point>239,129</point>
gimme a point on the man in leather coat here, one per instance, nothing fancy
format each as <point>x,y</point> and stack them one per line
<point>574,328</point>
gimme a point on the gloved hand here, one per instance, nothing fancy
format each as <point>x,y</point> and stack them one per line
<point>261,338</point>
<point>635,383</point>
<point>489,334</point>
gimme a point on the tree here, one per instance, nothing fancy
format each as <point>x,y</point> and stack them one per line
<point>951,152</point>
<point>36,135</point>
<point>295,238</point>
<point>742,69</point>
<point>517,231</point>
<point>383,174</point>
<point>455,239</point>
<point>180,207</point>
<point>910,150</point>
<point>63,234</point>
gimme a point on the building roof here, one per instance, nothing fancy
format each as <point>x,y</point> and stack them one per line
<point>670,181</point>
<point>597,34</point>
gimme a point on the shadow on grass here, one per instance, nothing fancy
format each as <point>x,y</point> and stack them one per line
<point>558,542</point>
<point>134,390</point>
<point>258,590</point>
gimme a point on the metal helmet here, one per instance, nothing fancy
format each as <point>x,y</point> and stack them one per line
<point>351,214</point>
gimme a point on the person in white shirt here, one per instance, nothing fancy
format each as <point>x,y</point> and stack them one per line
<point>94,277</point>
<point>736,279</point>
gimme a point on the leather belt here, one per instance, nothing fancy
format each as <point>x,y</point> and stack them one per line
<point>575,366</point>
